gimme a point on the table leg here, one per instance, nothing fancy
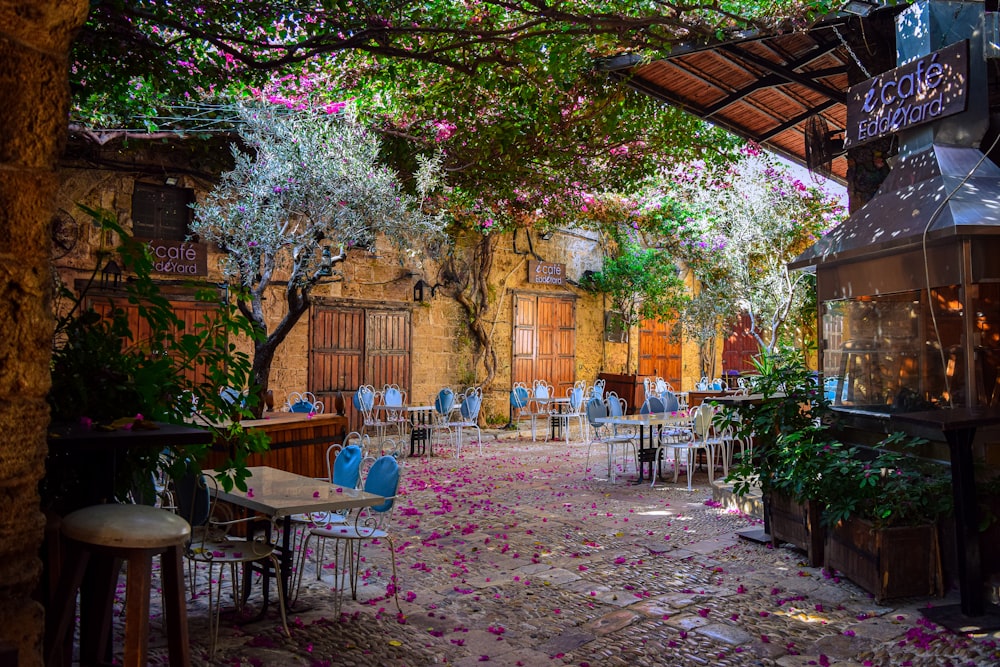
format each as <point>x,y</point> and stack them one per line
<point>972,614</point>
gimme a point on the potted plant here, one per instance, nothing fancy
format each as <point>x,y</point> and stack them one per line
<point>882,509</point>
<point>789,426</point>
<point>106,377</point>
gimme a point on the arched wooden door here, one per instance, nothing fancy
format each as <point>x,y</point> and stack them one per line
<point>545,340</point>
<point>660,352</point>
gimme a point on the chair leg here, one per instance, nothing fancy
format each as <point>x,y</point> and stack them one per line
<point>172,572</point>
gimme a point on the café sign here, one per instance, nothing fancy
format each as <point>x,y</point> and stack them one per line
<point>179,257</point>
<point>932,87</point>
<point>546,273</point>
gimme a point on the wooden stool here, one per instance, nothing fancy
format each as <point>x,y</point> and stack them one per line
<point>133,533</point>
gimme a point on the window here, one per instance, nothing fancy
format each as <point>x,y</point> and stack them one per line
<point>160,212</point>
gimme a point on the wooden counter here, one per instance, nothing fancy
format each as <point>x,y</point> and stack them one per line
<point>298,442</point>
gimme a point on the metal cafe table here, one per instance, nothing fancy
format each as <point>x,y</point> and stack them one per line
<point>280,494</point>
<point>647,424</point>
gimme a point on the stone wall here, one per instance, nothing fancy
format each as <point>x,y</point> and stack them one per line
<point>443,352</point>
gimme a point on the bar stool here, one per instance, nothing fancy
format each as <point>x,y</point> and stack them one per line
<point>133,533</point>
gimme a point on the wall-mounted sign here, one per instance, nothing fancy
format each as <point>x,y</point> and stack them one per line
<point>546,273</point>
<point>921,91</point>
<point>179,257</point>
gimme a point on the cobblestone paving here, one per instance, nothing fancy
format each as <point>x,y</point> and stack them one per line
<point>520,557</point>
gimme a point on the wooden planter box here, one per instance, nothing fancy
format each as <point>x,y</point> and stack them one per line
<point>796,524</point>
<point>888,562</point>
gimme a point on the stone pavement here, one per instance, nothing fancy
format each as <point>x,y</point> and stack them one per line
<point>520,557</point>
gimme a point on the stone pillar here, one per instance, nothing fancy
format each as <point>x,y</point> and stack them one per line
<point>34,47</point>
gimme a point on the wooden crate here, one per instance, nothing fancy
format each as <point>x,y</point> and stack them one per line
<point>887,562</point>
<point>797,524</point>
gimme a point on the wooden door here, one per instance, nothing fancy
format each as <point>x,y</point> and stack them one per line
<point>336,354</point>
<point>740,346</point>
<point>660,352</point>
<point>545,340</point>
<point>190,312</point>
<point>354,346</point>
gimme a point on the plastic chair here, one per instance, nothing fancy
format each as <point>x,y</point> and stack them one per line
<point>369,523</point>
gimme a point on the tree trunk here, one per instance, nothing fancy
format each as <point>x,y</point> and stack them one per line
<point>34,70</point>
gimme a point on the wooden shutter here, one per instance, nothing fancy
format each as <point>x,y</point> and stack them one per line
<point>659,355</point>
<point>545,340</point>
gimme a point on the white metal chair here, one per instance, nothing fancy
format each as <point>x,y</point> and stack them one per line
<point>468,411</point>
<point>701,436</point>
<point>303,402</point>
<point>343,468</point>
<point>575,409</point>
<point>541,392</point>
<point>211,545</point>
<point>444,403</point>
<point>521,406</point>
<point>367,524</point>
<point>606,435</point>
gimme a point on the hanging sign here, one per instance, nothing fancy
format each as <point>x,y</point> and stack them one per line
<point>928,89</point>
<point>179,257</point>
<point>546,273</point>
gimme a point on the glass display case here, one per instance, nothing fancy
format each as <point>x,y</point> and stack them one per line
<point>912,350</point>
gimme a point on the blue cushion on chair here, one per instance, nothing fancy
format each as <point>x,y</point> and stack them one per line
<point>470,407</point>
<point>444,402</point>
<point>347,467</point>
<point>519,397</point>
<point>383,480</point>
<point>301,406</point>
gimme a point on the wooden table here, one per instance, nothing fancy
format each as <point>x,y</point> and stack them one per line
<point>280,494</point>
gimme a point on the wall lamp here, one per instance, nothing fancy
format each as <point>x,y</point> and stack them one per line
<point>170,180</point>
<point>325,269</point>
<point>111,275</point>
<point>418,291</point>
<point>546,235</point>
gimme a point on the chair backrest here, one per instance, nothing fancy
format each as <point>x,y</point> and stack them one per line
<point>392,395</point>
<point>519,396</point>
<point>364,398</point>
<point>617,407</point>
<point>597,390</point>
<point>703,416</point>
<point>383,480</point>
<point>652,406</point>
<point>444,401</point>
<point>670,402</point>
<point>662,386</point>
<point>718,384</point>
<point>347,467</point>
<point>542,389</point>
<point>575,395</point>
<point>471,404</point>
<point>194,504</point>
<point>596,409</point>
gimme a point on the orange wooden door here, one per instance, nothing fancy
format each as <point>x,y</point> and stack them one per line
<point>660,352</point>
<point>740,346</point>
<point>545,340</point>
<point>190,312</point>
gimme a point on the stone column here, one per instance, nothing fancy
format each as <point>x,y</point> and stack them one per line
<point>35,37</point>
